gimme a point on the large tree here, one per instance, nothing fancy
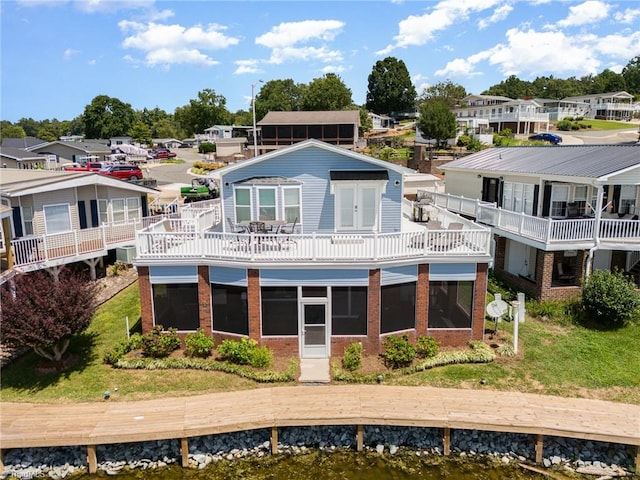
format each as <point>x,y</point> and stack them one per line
<point>207,110</point>
<point>390,87</point>
<point>8,130</point>
<point>43,314</point>
<point>631,75</point>
<point>437,122</point>
<point>449,92</point>
<point>278,96</point>
<point>107,117</point>
<point>326,93</point>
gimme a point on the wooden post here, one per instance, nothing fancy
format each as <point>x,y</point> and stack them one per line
<point>637,459</point>
<point>184,450</point>
<point>274,440</point>
<point>446,440</point>
<point>539,448</point>
<point>92,459</point>
<point>359,438</point>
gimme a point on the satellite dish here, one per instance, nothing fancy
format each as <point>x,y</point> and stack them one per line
<point>497,308</point>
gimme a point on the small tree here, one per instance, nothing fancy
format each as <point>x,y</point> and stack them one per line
<point>611,298</point>
<point>437,121</point>
<point>43,314</point>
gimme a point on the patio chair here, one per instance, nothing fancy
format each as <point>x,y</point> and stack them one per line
<point>236,227</point>
<point>284,231</point>
<point>447,240</point>
<point>239,242</point>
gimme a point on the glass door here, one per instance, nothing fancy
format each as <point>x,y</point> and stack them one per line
<point>315,334</point>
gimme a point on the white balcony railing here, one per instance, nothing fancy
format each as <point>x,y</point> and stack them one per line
<point>545,230</point>
<point>317,248</point>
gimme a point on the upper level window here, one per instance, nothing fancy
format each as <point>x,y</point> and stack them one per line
<point>627,199</point>
<point>518,197</point>
<point>243,204</point>
<point>27,219</point>
<point>57,218</point>
<point>559,199</point>
<point>291,196</point>
<point>266,204</point>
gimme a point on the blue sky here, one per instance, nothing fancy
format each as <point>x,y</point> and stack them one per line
<point>58,55</point>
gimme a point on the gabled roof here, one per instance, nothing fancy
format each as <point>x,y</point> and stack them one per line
<point>84,147</point>
<point>621,94</point>
<point>311,118</point>
<point>15,182</point>
<point>19,154</point>
<point>596,162</point>
<point>312,143</point>
<point>26,142</point>
<point>486,97</point>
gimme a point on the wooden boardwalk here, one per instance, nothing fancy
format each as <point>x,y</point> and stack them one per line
<point>44,425</point>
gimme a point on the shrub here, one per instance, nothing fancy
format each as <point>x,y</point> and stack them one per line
<point>611,298</point>
<point>352,359</point>
<point>159,343</point>
<point>397,351</point>
<point>206,147</point>
<point>197,344</point>
<point>121,349</point>
<point>564,125</point>
<point>245,352</point>
<point>427,347</point>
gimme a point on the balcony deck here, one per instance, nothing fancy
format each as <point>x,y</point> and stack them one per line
<point>547,233</point>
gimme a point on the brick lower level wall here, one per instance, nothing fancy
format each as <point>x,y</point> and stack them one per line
<point>372,343</point>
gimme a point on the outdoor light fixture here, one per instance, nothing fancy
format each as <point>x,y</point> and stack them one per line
<point>253,108</point>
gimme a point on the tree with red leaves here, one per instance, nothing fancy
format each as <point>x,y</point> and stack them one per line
<point>43,314</point>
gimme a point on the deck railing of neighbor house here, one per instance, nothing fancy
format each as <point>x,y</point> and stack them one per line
<point>541,229</point>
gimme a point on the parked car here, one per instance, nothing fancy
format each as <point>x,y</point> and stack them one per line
<point>123,172</point>
<point>86,167</point>
<point>161,153</point>
<point>547,137</point>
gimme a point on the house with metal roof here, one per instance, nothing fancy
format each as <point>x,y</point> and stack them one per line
<point>78,152</point>
<point>606,106</point>
<point>54,218</point>
<point>337,127</point>
<point>312,247</point>
<point>557,213</point>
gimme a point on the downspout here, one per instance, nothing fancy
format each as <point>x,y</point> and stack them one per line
<point>596,228</point>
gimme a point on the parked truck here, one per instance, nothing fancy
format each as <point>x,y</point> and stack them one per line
<point>85,167</point>
<point>200,189</point>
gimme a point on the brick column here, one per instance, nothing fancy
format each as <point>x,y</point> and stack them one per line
<point>373,314</point>
<point>204,299</point>
<point>479,298</point>
<point>545,269</point>
<point>253,303</point>
<point>146,299</point>
<point>422,299</point>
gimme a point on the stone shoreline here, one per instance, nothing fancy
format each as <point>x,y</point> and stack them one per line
<point>581,456</point>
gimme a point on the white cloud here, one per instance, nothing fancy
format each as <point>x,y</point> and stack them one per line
<point>628,16</point>
<point>499,14</point>
<point>622,45</point>
<point>110,6</point>
<point>174,44</point>
<point>591,11</point>
<point>303,41</point>
<point>69,53</point>
<point>246,66</point>
<point>458,67</point>
<point>92,62</point>
<point>417,30</point>
<point>333,69</point>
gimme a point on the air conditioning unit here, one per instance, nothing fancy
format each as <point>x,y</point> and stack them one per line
<point>126,254</point>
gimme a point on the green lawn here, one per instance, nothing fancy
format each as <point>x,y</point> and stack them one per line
<point>608,125</point>
<point>565,360</point>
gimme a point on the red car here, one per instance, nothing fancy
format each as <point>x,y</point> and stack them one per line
<point>162,153</point>
<point>123,172</point>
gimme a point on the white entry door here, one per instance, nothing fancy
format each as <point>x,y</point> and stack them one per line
<point>357,207</point>
<point>314,340</point>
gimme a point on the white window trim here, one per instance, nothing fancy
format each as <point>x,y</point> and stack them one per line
<point>46,225</point>
<point>284,206</point>
<point>275,206</point>
<point>235,204</point>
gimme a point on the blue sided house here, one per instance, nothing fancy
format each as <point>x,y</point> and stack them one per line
<point>309,248</point>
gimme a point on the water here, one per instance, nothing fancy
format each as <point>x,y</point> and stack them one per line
<point>344,465</point>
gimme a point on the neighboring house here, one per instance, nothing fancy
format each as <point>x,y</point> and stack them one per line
<point>606,106</point>
<point>520,116</point>
<point>339,127</point>
<point>124,140</point>
<point>167,142</point>
<point>475,127</point>
<point>78,152</point>
<point>219,132</point>
<point>63,217</point>
<point>21,158</point>
<point>335,258</point>
<point>560,109</point>
<point>557,213</point>
<point>380,123</point>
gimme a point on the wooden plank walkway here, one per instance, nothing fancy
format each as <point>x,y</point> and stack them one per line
<point>42,425</point>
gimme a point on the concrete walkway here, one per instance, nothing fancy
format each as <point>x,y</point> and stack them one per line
<point>314,370</point>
